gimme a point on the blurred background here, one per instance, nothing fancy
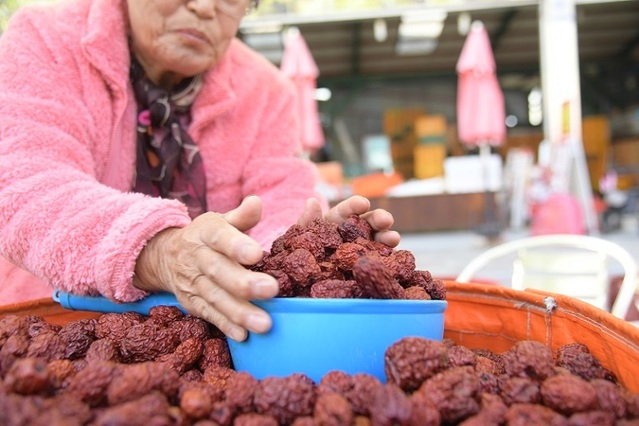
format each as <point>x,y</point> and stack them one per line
<point>381,90</point>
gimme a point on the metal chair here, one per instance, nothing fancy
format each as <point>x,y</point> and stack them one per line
<point>574,265</point>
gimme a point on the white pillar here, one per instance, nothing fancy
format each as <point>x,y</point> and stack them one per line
<point>559,53</point>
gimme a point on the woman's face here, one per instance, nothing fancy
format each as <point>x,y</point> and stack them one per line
<point>174,39</point>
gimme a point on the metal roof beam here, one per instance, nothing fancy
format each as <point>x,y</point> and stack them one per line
<point>356,48</point>
<point>504,24</point>
<point>626,50</point>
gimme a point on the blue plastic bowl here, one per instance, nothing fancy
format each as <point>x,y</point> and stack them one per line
<point>315,336</point>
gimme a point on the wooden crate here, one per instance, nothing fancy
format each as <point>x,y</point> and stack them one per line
<point>399,126</point>
<point>429,161</point>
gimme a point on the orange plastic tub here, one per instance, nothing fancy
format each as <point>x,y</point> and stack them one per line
<point>490,317</point>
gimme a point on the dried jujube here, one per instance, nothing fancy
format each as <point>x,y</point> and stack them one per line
<point>285,397</point>
<point>173,369</point>
<point>411,360</point>
<point>321,259</point>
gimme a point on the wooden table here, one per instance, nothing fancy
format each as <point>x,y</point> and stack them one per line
<point>440,212</point>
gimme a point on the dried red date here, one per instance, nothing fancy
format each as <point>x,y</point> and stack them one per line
<point>577,359</point>
<point>412,360</point>
<point>47,345</point>
<point>355,227</point>
<point>401,263</point>
<point>461,355</point>
<point>455,393</point>
<point>28,376</point>
<point>285,397</point>
<point>239,391</point>
<point>533,414</point>
<point>91,383</point>
<point>416,293</point>
<point>423,412</point>
<point>336,289</point>
<point>609,397</point>
<point>196,402</point>
<point>568,394</point>
<point>102,350</point>
<point>529,358</point>
<point>116,326</point>
<point>215,354</point>
<point>146,341</point>
<point>301,267</point>
<point>150,409</point>
<point>391,406</point>
<point>59,372</point>
<point>376,279</point>
<point>78,336</point>
<point>520,390</point>
<point>254,419</point>
<point>332,409</point>
<point>17,345</point>
<point>165,315</point>
<point>135,380</point>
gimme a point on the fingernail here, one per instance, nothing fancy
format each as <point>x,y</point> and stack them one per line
<point>238,334</point>
<point>258,323</point>
<point>250,252</point>
<point>265,288</point>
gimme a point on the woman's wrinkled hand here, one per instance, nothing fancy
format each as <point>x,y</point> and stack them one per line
<point>380,220</point>
<point>203,265</point>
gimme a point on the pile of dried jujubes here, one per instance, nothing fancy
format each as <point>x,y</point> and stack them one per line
<point>326,260</point>
<point>173,369</point>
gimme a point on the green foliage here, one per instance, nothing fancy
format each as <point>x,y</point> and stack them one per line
<point>7,8</point>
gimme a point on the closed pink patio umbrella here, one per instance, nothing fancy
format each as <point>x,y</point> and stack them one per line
<point>481,116</point>
<point>480,101</point>
<point>298,63</point>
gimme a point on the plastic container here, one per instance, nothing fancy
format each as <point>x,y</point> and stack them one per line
<point>102,304</point>
<point>315,336</point>
<point>310,336</point>
<point>488,317</point>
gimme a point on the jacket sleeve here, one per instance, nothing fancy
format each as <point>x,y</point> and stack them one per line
<point>276,170</point>
<point>56,219</point>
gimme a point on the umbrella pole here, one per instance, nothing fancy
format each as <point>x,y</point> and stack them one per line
<point>491,227</point>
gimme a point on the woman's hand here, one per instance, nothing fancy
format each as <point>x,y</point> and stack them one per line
<point>380,220</point>
<point>202,264</point>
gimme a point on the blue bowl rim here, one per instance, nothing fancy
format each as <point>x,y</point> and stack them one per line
<point>365,306</point>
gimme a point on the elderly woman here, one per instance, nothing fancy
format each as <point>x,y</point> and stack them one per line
<point>125,125</point>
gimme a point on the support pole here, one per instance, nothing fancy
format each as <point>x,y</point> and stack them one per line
<point>562,104</point>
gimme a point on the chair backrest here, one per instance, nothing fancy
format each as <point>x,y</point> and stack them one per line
<point>574,265</point>
<point>581,274</point>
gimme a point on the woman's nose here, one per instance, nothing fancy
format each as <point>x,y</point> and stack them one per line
<point>203,8</point>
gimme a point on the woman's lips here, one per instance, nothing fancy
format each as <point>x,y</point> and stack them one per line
<point>193,34</point>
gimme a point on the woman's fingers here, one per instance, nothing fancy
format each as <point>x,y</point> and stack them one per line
<point>389,238</point>
<point>235,278</point>
<point>246,215</point>
<point>231,314</point>
<point>352,205</point>
<point>379,219</point>
<point>225,233</point>
<point>312,211</point>
<point>202,308</point>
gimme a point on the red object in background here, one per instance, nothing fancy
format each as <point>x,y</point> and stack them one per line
<point>615,285</point>
<point>299,65</point>
<point>559,214</point>
<point>481,116</point>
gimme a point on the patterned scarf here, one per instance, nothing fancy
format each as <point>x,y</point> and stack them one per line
<point>169,164</point>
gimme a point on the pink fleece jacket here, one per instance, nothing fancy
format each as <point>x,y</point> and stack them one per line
<point>67,151</point>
